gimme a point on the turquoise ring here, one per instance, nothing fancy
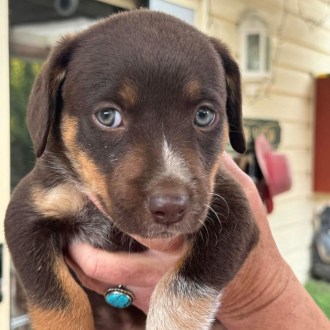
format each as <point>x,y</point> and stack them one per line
<point>119,297</point>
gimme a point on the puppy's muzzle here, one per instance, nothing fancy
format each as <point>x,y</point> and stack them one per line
<point>168,205</point>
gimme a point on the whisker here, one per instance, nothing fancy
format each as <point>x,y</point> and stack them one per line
<point>206,240</point>
<point>220,223</point>
<point>223,199</point>
<point>130,243</point>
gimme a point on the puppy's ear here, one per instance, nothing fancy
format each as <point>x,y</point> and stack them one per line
<point>234,97</point>
<point>43,100</point>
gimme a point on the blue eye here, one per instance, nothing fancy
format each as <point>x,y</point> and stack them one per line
<point>204,117</point>
<point>109,117</point>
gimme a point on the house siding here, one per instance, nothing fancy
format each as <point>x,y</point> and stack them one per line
<point>301,51</point>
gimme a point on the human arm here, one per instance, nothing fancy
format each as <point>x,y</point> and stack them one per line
<point>265,294</point>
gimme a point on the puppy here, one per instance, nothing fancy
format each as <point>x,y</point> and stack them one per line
<point>129,120</point>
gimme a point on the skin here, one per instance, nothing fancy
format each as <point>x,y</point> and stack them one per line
<point>265,294</point>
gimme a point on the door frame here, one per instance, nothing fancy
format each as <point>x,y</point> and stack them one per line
<point>5,160</point>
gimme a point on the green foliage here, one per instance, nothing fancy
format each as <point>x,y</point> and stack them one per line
<point>22,75</point>
<point>320,292</point>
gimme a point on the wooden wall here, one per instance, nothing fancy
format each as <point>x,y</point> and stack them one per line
<point>301,50</point>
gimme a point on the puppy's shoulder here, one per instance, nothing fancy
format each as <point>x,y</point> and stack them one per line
<point>41,199</point>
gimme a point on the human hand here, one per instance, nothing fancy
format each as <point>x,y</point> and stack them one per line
<point>264,294</point>
<point>99,270</point>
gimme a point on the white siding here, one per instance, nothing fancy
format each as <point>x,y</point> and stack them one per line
<point>302,53</point>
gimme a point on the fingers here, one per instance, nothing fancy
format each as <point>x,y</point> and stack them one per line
<point>141,297</point>
<point>99,270</point>
<point>265,235</point>
<point>141,294</point>
<point>135,269</point>
<point>86,281</point>
<point>232,167</point>
<point>234,170</point>
<point>247,185</point>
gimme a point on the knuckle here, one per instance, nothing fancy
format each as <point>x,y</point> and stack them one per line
<point>92,267</point>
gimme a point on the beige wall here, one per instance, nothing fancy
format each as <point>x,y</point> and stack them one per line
<point>299,53</point>
<point>4,152</point>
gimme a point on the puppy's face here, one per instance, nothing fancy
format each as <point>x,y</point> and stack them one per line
<point>142,119</point>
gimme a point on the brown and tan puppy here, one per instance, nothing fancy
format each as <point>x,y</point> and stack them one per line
<point>131,117</point>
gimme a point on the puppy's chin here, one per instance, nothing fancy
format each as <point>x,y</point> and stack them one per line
<point>171,244</point>
<point>159,235</point>
<point>183,228</point>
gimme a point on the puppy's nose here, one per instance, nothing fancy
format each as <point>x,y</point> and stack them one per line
<point>168,207</point>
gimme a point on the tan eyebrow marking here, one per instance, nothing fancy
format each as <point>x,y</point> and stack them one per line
<point>128,92</point>
<point>192,89</point>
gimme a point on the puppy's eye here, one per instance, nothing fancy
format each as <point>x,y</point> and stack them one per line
<point>204,117</point>
<point>109,117</point>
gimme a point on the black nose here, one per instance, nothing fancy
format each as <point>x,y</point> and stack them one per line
<point>168,206</point>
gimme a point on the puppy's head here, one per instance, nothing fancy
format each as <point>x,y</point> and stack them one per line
<point>140,105</point>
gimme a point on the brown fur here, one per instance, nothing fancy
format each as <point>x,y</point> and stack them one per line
<point>58,202</point>
<point>69,132</point>
<point>128,93</point>
<point>78,312</point>
<point>100,184</point>
<point>192,89</point>
<point>86,167</point>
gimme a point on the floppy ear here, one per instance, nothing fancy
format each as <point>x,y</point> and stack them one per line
<point>43,99</point>
<point>234,97</point>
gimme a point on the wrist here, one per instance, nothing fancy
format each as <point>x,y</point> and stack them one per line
<point>269,296</point>
<point>262,280</point>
